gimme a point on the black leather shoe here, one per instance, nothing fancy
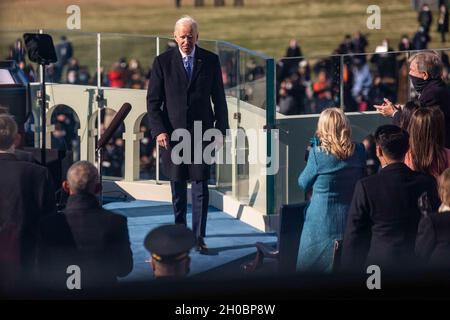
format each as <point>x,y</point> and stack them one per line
<point>201,245</point>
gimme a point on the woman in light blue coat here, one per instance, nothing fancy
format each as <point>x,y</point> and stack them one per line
<point>334,166</point>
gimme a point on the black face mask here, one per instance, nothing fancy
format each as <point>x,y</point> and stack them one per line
<point>418,83</point>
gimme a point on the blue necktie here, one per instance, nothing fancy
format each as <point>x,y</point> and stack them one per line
<point>187,66</point>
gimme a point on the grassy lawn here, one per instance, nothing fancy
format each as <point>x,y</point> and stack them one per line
<point>261,25</point>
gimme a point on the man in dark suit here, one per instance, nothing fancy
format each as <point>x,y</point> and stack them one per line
<point>26,195</point>
<point>84,235</point>
<point>22,155</point>
<point>64,52</point>
<point>183,82</point>
<point>425,72</point>
<point>384,215</point>
<point>425,17</point>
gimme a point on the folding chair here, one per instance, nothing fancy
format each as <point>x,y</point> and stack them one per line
<point>291,225</point>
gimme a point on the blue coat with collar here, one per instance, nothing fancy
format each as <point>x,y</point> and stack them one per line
<point>332,182</point>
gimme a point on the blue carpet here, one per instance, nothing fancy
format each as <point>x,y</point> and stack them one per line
<point>228,239</point>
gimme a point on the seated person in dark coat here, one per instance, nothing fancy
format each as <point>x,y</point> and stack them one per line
<point>26,195</point>
<point>384,214</point>
<point>20,154</point>
<point>433,238</point>
<point>85,235</point>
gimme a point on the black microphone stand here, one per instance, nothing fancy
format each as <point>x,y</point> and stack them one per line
<point>100,107</point>
<point>99,151</point>
<point>41,51</point>
<point>43,64</point>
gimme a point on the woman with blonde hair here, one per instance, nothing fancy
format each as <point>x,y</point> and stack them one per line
<point>433,237</point>
<point>426,142</point>
<point>334,165</point>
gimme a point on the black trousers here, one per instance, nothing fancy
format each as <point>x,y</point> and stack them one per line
<point>200,200</point>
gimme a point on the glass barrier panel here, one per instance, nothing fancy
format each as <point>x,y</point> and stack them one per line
<point>126,60</point>
<point>252,79</point>
<point>229,62</point>
<point>210,45</point>
<point>12,47</point>
<point>375,77</point>
<point>77,58</point>
<point>307,85</point>
<point>165,44</point>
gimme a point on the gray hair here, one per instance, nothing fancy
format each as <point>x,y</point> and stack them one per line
<point>428,61</point>
<point>187,20</point>
<point>8,131</point>
<point>4,109</point>
<point>82,177</point>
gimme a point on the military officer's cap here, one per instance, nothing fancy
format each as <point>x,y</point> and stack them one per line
<point>169,243</point>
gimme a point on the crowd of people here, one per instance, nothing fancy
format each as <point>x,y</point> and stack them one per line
<point>38,243</point>
<point>352,74</point>
<point>122,74</point>
<point>301,88</point>
<point>361,81</point>
<point>393,213</point>
<point>383,211</point>
<point>386,200</point>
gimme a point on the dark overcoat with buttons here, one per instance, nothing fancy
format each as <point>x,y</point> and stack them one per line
<point>174,102</point>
